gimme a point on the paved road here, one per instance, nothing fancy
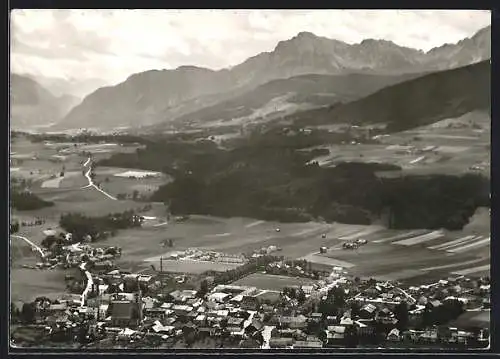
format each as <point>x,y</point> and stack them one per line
<point>92,184</point>
<point>33,245</point>
<point>90,283</point>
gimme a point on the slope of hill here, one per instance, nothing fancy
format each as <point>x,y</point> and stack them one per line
<point>277,96</point>
<point>77,87</point>
<point>142,97</point>
<point>32,105</point>
<point>413,103</point>
<point>156,96</point>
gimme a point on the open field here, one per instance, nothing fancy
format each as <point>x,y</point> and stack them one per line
<point>413,256</point>
<point>394,255</point>
<point>27,284</point>
<point>21,253</point>
<point>114,182</point>
<point>455,150</point>
<point>382,257</point>
<point>190,266</point>
<point>479,318</point>
<point>271,282</point>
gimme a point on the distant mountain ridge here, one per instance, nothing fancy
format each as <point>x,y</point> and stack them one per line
<point>300,91</point>
<point>156,96</point>
<point>33,105</point>
<point>417,102</point>
<point>69,86</point>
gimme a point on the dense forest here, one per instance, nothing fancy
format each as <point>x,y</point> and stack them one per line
<point>271,176</point>
<point>24,200</point>
<point>98,227</point>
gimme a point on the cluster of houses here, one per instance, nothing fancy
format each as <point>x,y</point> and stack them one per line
<point>265,251</point>
<point>135,308</point>
<point>71,256</point>
<point>132,308</point>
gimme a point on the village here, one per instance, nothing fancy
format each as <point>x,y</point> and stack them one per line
<point>108,307</point>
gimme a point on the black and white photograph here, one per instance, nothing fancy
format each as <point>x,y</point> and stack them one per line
<point>261,180</point>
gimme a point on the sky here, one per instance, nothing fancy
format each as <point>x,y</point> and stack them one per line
<point>110,45</point>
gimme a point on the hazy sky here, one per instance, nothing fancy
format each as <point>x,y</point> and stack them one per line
<point>113,44</point>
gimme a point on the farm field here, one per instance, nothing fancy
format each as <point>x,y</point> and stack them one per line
<point>413,256</point>
<point>271,282</point>
<point>27,284</point>
<point>42,164</point>
<point>389,254</point>
<point>473,318</point>
<point>190,266</point>
<point>456,149</point>
<point>114,182</point>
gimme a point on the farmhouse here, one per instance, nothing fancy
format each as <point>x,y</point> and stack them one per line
<point>280,343</point>
<point>313,344</point>
<point>125,314</point>
<point>394,335</point>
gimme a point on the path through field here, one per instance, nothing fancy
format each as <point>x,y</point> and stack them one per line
<point>92,184</point>
<point>33,245</point>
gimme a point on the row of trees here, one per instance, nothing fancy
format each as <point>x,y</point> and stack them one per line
<point>253,265</point>
<point>270,176</point>
<point>27,201</point>
<point>97,227</point>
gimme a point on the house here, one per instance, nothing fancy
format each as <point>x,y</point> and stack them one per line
<point>205,331</point>
<point>250,343</point>
<point>487,303</point>
<point>331,319</point>
<point>368,311</point>
<point>125,314</point>
<point>346,322</point>
<point>102,265</point>
<point>429,336</point>
<point>254,327</point>
<point>219,297</point>
<point>422,300</point>
<point>299,322</point>
<point>155,312</point>
<point>316,344</point>
<point>266,308</point>
<point>189,294</point>
<point>103,311</point>
<point>280,343</point>
<point>334,335</point>
<point>366,332</point>
<point>307,289</point>
<point>222,313</point>
<point>235,322</point>
<point>385,316</point>
<point>394,335</point>
<point>316,316</point>
<point>200,319</point>
<point>158,327</point>
<point>249,302</point>
<point>435,303</point>
<point>180,309</point>
<point>57,308</point>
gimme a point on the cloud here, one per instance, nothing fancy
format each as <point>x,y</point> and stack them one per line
<point>113,44</point>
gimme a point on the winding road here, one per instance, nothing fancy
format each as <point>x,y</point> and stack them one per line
<point>33,245</point>
<point>90,283</point>
<point>92,184</point>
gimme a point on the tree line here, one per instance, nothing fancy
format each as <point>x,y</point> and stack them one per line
<point>97,228</point>
<point>268,175</point>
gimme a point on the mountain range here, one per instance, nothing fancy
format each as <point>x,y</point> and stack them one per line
<point>32,105</point>
<point>413,103</point>
<point>193,94</point>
